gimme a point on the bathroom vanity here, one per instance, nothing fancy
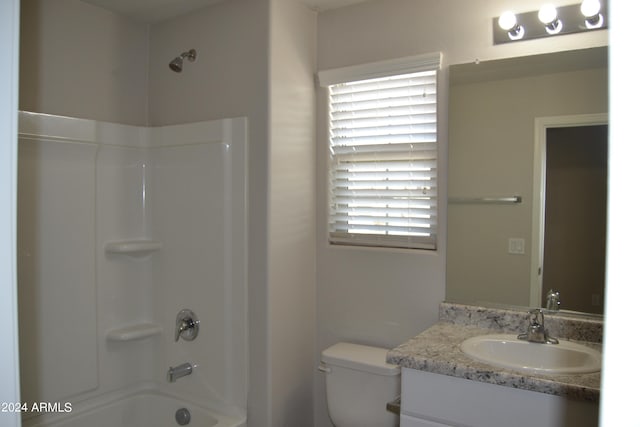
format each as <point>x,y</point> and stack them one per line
<point>443,386</point>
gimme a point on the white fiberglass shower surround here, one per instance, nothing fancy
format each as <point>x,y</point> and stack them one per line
<point>120,228</point>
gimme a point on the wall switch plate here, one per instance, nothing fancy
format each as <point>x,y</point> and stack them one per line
<point>516,246</point>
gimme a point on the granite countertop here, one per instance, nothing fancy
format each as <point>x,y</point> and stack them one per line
<point>437,350</point>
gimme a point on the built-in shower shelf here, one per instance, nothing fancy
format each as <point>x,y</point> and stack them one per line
<point>137,248</point>
<point>134,332</point>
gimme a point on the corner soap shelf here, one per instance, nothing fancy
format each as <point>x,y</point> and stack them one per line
<point>136,248</point>
<point>134,332</point>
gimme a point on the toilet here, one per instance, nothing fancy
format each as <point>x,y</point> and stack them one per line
<point>359,385</point>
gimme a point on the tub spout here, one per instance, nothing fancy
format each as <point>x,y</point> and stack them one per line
<point>179,371</point>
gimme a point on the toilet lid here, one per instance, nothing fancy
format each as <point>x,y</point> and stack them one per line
<point>359,357</point>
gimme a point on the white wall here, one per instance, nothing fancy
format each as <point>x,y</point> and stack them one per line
<point>619,403</point>
<point>291,212</point>
<point>82,61</point>
<point>9,372</point>
<point>384,297</point>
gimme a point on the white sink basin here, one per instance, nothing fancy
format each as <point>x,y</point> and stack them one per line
<point>507,351</point>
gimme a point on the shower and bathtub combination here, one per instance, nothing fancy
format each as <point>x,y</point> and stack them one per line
<point>132,273</point>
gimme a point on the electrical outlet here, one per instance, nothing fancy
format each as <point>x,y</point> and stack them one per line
<point>516,246</point>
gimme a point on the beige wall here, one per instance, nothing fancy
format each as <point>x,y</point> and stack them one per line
<point>384,297</point>
<point>82,61</point>
<point>497,117</point>
<point>291,214</point>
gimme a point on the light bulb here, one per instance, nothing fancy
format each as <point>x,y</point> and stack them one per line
<point>509,23</point>
<point>591,11</point>
<point>547,14</point>
<point>590,8</point>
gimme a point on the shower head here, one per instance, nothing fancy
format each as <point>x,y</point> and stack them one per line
<point>176,64</point>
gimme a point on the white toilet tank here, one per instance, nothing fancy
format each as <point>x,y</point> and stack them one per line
<point>359,385</point>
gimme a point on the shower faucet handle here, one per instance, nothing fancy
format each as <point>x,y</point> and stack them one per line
<point>187,325</point>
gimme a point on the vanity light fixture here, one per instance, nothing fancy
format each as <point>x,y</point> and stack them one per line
<point>548,15</point>
<point>550,21</point>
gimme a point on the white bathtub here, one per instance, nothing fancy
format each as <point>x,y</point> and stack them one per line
<point>145,408</point>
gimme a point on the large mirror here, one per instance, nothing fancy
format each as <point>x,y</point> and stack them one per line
<point>527,180</point>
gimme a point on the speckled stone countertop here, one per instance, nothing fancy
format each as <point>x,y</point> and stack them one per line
<point>438,350</point>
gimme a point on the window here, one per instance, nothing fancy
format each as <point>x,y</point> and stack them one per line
<point>383,155</point>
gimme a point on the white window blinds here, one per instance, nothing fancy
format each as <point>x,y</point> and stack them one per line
<point>383,151</point>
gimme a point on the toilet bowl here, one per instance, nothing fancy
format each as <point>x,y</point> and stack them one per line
<point>359,385</point>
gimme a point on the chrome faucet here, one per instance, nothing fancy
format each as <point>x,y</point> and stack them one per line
<point>536,331</point>
<point>179,371</point>
<point>553,300</point>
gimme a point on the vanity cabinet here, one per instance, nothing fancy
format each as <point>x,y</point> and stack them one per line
<point>437,400</point>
